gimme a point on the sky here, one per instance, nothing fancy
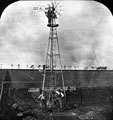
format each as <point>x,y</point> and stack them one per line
<point>84,32</point>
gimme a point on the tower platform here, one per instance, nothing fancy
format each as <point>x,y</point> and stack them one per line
<point>52,25</point>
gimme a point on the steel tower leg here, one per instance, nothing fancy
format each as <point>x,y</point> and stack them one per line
<point>53,59</point>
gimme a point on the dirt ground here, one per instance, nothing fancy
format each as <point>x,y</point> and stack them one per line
<point>89,111</point>
<point>85,112</point>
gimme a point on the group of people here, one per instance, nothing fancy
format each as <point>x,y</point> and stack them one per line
<point>54,99</point>
<point>49,102</point>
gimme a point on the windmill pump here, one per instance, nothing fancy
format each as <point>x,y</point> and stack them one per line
<point>52,12</point>
<point>53,58</point>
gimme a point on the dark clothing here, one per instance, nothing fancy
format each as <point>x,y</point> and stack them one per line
<point>44,105</point>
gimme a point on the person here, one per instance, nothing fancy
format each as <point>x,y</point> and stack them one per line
<point>60,96</point>
<point>43,104</point>
<point>68,94</point>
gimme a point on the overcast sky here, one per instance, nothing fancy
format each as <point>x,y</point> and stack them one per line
<point>85,34</point>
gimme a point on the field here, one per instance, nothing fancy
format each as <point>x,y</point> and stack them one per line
<point>93,93</point>
<point>77,78</point>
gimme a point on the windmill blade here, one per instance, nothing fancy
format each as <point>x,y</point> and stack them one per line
<point>58,13</point>
<point>57,5</point>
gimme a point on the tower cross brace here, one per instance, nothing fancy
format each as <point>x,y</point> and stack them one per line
<point>53,58</point>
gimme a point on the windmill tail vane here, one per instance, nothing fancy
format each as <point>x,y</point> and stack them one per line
<point>39,8</point>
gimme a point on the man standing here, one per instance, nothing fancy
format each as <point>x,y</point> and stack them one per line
<point>43,101</point>
<point>60,96</point>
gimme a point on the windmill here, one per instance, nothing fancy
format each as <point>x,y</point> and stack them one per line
<point>53,58</point>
